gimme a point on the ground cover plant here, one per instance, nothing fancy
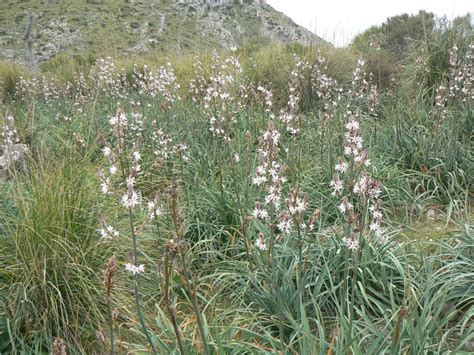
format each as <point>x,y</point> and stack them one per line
<point>241,205</point>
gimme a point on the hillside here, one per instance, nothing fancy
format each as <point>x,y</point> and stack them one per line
<point>140,26</point>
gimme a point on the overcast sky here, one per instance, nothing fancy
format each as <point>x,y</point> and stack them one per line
<point>338,21</point>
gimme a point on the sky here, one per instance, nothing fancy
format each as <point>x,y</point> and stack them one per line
<point>338,21</point>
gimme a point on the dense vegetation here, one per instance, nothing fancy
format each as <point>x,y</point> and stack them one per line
<point>272,199</point>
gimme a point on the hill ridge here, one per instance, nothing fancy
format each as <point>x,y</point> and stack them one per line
<point>135,27</point>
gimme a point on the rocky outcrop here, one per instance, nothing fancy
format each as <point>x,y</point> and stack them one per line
<point>134,28</point>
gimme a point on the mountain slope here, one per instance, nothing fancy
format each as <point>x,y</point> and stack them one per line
<point>140,26</point>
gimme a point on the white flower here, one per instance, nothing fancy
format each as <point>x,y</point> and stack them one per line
<point>260,170</point>
<point>133,269</point>
<point>130,182</point>
<point>153,211</point>
<point>352,244</point>
<point>358,188</point>
<point>136,156</point>
<point>113,121</point>
<point>237,158</point>
<point>374,226</point>
<point>357,141</point>
<point>104,186</point>
<point>260,243</point>
<point>151,205</point>
<point>337,185</point>
<point>377,214</point>
<point>113,170</point>
<point>350,151</point>
<point>341,167</point>
<point>345,206</point>
<point>375,191</point>
<point>298,207</point>
<point>130,200</point>
<point>352,125</point>
<point>107,151</point>
<point>285,225</point>
<point>259,180</point>
<point>260,213</point>
<point>122,119</point>
<point>342,207</point>
<point>108,232</point>
<point>274,198</point>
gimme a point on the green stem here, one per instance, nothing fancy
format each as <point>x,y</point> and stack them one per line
<point>246,243</point>
<point>137,295</point>
<point>221,182</point>
<point>354,283</point>
<point>192,292</point>
<point>272,237</point>
<point>300,268</point>
<point>111,327</point>
<point>170,309</point>
<point>345,292</point>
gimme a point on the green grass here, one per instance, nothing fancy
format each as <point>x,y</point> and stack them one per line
<point>50,257</point>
